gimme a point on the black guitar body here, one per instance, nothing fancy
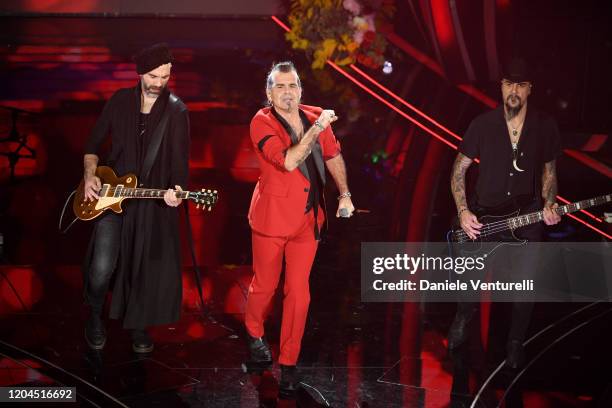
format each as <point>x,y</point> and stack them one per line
<point>493,234</point>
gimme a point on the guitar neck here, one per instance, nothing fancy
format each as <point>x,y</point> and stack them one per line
<point>121,191</point>
<point>532,218</point>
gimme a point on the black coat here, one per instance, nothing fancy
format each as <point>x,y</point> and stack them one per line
<point>148,285</point>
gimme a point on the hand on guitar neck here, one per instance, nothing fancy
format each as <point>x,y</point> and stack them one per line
<point>550,215</point>
<point>170,197</point>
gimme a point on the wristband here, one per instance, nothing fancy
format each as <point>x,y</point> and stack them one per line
<point>319,125</point>
<point>344,195</point>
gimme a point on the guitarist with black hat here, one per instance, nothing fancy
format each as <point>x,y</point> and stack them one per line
<point>149,130</point>
<point>517,148</point>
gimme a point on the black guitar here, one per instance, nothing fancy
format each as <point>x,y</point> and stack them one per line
<point>500,223</point>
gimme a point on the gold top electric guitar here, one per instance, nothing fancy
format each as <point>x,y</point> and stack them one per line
<point>116,189</point>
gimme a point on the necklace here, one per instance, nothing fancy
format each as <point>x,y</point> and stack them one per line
<point>515,131</point>
<point>515,135</point>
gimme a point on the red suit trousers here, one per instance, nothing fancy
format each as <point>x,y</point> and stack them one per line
<point>298,251</point>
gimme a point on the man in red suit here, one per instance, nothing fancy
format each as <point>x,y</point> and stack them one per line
<point>294,143</point>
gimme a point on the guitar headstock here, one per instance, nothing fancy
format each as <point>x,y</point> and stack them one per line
<point>206,198</point>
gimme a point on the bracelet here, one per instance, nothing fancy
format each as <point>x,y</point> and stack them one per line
<point>319,125</point>
<point>344,195</point>
<point>460,211</point>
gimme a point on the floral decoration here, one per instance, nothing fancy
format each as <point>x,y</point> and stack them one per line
<point>343,31</point>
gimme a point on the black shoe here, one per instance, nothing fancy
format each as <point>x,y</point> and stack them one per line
<point>289,381</point>
<point>515,356</point>
<point>141,341</point>
<point>260,350</point>
<point>95,334</point>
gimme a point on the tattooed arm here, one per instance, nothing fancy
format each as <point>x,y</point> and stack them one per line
<point>462,163</point>
<point>549,183</point>
<point>469,221</point>
<point>297,153</point>
<point>549,192</point>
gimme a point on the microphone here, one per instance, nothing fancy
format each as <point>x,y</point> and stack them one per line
<point>344,213</point>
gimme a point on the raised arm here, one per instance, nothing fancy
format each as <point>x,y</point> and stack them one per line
<point>297,153</point>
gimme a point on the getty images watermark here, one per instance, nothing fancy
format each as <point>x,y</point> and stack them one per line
<point>458,265</point>
<point>500,272</point>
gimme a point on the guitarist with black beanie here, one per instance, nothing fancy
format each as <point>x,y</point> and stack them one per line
<point>149,130</point>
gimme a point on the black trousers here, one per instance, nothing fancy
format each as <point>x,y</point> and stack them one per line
<point>513,263</point>
<point>104,258</point>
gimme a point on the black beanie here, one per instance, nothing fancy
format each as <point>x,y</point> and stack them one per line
<point>152,57</point>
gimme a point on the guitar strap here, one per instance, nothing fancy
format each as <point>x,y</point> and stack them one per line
<point>156,139</point>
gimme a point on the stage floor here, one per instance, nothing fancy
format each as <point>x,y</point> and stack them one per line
<point>354,354</point>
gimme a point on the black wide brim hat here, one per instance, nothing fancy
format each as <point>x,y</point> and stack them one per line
<point>152,57</point>
<point>516,70</point>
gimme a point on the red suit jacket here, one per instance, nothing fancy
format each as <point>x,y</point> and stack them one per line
<point>279,199</point>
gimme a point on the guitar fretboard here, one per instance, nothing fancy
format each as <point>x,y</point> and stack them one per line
<point>528,219</point>
<point>532,218</point>
<point>121,191</point>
